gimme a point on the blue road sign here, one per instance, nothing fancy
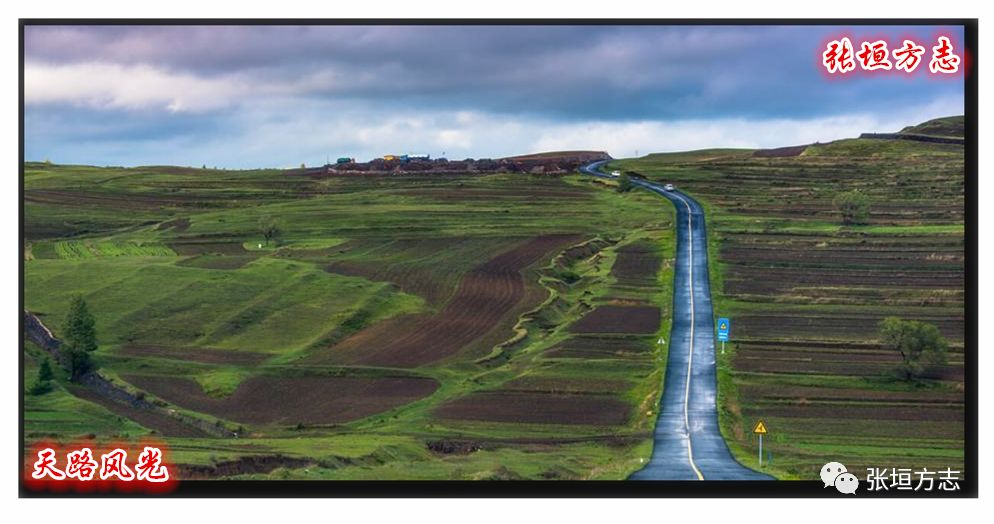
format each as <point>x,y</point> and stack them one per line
<point>724,327</point>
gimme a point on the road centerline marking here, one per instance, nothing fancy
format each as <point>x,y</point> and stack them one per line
<point>690,354</point>
<point>690,285</point>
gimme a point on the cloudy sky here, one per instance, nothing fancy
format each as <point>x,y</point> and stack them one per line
<point>276,96</point>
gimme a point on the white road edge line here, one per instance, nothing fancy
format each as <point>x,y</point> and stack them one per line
<point>690,356</point>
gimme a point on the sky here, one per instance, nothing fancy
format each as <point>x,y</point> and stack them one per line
<point>279,96</point>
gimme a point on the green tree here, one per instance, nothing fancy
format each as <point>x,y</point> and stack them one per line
<point>79,363</point>
<point>80,326</point>
<point>42,384</point>
<point>270,229</point>
<point>80,337</point>
<point>854,206</point>
<point>45,373</point>
<point>39,388</point>
<point>920,344</point>
<point>624,183</point>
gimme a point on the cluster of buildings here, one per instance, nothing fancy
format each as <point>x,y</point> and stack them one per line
<point>392,158</point>
<point>406,158</point>
<point>553,163</point>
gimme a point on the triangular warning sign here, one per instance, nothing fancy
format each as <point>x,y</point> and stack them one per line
<point>760,428</point>
<point>723,326</point>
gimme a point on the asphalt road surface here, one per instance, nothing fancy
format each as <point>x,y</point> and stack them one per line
<point>688,444</point>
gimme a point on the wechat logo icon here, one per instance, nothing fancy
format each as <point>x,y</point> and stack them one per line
<point>835,474</point>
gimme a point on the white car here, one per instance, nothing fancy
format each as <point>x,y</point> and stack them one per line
<point>615,173</point>
<point>669,187</point>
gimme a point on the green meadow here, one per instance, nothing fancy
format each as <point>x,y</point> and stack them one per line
<point>198,313</point>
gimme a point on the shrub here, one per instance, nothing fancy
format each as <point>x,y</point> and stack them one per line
<point>624,183</point>
<point>920,344</point>
<point>854,206</point>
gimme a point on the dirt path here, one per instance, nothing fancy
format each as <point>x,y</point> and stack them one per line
<point>95,388</point>
<point>162,424</point>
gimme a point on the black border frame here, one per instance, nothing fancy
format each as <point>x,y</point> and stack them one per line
<point>559,488</point>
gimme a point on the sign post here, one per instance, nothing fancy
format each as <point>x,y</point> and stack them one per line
<point>724,327</point>
<point>760,430</point>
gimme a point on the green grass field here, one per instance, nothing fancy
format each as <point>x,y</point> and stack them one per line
<point>194,309</point>
<point>459,327</point>
<point>58,414</point>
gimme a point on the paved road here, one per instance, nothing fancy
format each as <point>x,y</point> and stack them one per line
<point>688,444</point>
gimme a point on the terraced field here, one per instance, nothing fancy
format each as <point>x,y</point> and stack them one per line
<point>805,295</point>
<point>362,343</point>
<point>485,295</point>
<point>499,326</point>
<point>600,369</point>
<point>292,400</point>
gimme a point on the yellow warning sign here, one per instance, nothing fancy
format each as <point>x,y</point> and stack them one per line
<point>723,326</point>
<point>760,428</point>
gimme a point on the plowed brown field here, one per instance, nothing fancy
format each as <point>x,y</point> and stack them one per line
<point>165,426</point>
<point>291,400</point>
<point>537,408</point>
<point>619,319</point>
<point>636,265</point>
<point>485,295</point>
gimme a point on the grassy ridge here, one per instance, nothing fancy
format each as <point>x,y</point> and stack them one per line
<point>805,292</point>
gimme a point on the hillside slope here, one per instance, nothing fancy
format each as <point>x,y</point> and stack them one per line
<point>806,293</point>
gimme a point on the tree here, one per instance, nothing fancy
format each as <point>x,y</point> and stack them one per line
<point>80,326</point>
<point>624,183</point>
<point>853,205</point>
<point>920,344</point>
<point>42,384</point>
<point>79,364</point>
<point>45,373</point>
<point>39,388</point>
<point>270,228</point>
<point>80,336</point>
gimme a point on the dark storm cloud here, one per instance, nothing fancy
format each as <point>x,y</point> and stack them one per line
<point>143,84</point>
<point>569,72</point>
